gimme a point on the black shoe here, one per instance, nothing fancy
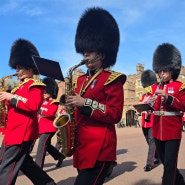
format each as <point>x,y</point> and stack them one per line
<point>51,183</point>
<point>148,168</point>
<point>156,161</point>
<point>114,163</point>
<point>60,161</point>
<point>179,179</point>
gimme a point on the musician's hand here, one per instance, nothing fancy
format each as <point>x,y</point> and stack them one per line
<point>162,93</point>
<point>75,101</point>
<point>5,96</point>
<point>146,99</point>
<point>151,100</point>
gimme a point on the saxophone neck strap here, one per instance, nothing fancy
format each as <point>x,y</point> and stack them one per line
<point>83,89</point>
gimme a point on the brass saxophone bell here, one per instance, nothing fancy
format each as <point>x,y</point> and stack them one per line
<point>61,120</point>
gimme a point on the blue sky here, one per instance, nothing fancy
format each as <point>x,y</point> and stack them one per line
<point>51,26</point>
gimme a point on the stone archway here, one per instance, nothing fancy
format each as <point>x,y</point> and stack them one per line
<point>130,117</point>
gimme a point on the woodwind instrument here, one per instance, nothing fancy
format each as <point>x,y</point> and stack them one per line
<point>3,109</point>
<point>66,136</point>
<point>147,119</point>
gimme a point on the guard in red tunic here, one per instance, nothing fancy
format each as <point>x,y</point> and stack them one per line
<point>148,77</point>
<point>169,102</point>
<point>99,97</point>
<point>10,84</point>
<point>47,114</point>
<point>22,128</point>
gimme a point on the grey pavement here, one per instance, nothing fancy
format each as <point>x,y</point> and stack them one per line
<point>131,158</point>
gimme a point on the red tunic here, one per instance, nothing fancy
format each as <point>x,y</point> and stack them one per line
<point>144,123</point>
<point>96,135</point>
<point>183,117</point>
<point>169,127</point>
<point>22,124</point>
<point>47,115</point>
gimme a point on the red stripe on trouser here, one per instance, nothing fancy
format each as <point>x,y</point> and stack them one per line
<point>42,154</point>
<point>99,173</point>
<point>12,170</point>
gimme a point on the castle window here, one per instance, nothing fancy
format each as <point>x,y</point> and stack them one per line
<point>139,83</point>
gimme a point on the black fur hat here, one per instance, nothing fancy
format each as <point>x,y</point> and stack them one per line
<point>98,31</point>
<point>21,54</point>
<point>51,87</point>
<point>167,57</point>
<point>148,77</point>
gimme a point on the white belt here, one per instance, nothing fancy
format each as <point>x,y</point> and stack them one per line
<point>166,113</point>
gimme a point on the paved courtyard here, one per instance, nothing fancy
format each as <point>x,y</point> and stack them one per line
<point>131,158</point>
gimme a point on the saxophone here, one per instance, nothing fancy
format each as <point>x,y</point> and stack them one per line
<point>66,135</point>
<point>3,109</point>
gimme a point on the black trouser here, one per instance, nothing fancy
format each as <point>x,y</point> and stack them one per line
<point>45,145</point>
<point>168,153</point>
<point>147,132</point>
<point>2,150</point>
<point>93,176</point>
<point>17,157</point>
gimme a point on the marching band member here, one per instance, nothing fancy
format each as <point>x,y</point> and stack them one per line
<point>47,114</point>
<point>61,110</point>
<point>22,123</point>
<point>99,97</point>
<point>169,103</point>
<point>148,78</point>
<point>9,85</point>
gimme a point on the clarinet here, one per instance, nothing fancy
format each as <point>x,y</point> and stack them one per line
<point>147,119</point>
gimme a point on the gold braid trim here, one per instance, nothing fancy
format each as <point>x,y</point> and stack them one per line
<point>20,84</point>
<point>36,82</point>
<point>54,101</point>
<point>182,87</point>
<point>114,75</point>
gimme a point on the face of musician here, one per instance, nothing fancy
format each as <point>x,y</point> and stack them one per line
<point>23,73</point>
<point>90,56</point>
<point>166,75</point>
<point>47,96</point>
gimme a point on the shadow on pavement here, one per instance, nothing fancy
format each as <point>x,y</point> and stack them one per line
<point>145,182</point>
<point>68,181</point>
<point>121,169</point>
<point>122,151</point>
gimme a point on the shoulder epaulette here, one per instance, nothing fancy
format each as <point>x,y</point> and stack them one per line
<point>182,87</point>
<point>37,83</point>
<point>149,89</point>
<point>54,101</point>
<point>114,75</point>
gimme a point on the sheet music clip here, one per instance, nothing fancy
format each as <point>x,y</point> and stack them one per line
<point>48,68</point>
<point>143,107</point>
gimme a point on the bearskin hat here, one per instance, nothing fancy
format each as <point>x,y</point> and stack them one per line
<point>98,31</point>
<point>148,77</point>
<point>51,87</point>
<point>167,57</point>
<point>21,54</point>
